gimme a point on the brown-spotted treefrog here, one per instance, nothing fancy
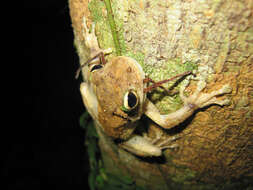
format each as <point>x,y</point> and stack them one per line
<point>114,95</point>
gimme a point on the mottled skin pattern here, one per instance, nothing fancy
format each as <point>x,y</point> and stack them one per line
<point>111,83</point>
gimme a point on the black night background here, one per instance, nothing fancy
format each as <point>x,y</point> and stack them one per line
<point>47,148</point>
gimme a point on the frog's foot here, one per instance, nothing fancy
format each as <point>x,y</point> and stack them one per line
<point>199,99</point>
<point>161,143</point>
<point>91,41</point>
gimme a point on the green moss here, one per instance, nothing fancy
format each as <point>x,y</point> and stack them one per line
<point>169,69</point>
<point>103,30</point>
<point>187,175</point>
<point>95,7</point>
<point>138,56</point>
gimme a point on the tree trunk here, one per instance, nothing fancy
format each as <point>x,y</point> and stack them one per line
<point>166,36</point>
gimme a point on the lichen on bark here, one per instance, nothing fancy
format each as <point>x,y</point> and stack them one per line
<point>167,37</point>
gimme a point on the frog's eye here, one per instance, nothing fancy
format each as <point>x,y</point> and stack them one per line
<point>95,67</point>
<point>130,101</point>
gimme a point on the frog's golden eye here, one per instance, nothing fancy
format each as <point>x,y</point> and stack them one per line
<point>130,101</point>
<point>96,67</point>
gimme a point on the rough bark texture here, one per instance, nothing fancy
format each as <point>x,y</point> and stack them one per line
<point>165,37</point>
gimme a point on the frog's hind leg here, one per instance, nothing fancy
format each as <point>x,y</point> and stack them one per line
<point>141,146</point>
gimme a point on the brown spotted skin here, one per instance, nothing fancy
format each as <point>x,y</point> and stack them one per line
<point>110,85</point>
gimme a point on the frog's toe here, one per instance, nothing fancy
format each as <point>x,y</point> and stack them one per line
<point>214,100</point>
<point>167,143</point>
<point>225,89</point>
<point>107,51</point>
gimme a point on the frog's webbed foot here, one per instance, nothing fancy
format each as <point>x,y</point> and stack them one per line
<point>162,143</point>
<point>199,99</point>
<point>166,143</point>
<point>91,41</point>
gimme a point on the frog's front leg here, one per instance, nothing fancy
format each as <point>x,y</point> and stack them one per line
<point>197,100</point>
<point>89,99</point>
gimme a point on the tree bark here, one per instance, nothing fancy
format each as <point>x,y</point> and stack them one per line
<point>166,37</point>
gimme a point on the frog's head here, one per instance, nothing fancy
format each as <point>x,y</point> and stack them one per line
<point>119,88</point>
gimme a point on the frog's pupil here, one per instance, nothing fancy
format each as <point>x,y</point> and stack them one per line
<point>132,99</point>
<point>95,67</point>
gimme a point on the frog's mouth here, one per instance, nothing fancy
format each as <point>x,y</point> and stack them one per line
<point>126,130</point>
<point>129,115</point>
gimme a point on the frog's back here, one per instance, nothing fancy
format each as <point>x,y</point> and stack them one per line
<point>119,76</point>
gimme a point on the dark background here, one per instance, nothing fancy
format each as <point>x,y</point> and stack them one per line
<point>45,148</point>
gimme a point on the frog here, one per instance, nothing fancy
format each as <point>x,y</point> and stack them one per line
<point>115,95</point>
